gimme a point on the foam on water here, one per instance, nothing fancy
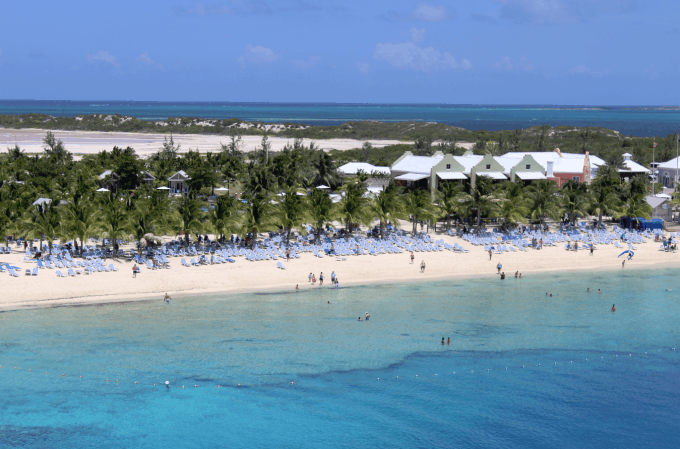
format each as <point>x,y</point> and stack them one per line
<point>311,375</point>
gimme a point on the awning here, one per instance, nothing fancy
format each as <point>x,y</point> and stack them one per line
<point>411,177</point>
<point>451,175</point>
<point>527,175</point>
<point>493,175</point>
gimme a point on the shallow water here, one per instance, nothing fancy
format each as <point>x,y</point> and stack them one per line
<point>638,121</point>
<point>387,382</point>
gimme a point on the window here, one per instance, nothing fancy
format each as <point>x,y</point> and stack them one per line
<point>488,166</point>
<point>528,166</point>
<point>576,178</point>
<point>448,166</point>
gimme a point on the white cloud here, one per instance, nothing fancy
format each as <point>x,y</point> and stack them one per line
<point>363,67</point>
<point>507,64</point>
<point>257,54</point>
<point>146,60</point>
<point>306,64</point>
<point>409,56</point>
<point>200,9</point>
<point>417,35</point>
<point>105,56</point>
<point>430,13</point>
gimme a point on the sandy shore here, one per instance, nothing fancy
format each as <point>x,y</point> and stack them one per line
<point>91,142</point>
<point>47,290</point>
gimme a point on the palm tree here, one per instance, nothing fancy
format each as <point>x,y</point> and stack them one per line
<point>604,200</point>
<point>449,197</point>
<point>481,200</point>
<point>634,206</point>
<point>418,204</point>
<point>321,210</point>
<point>81,219</point>
<point>575,200</point>
<point>352,206</point>
<point>114,221</point>
<point>43,221</point>
<point>386,206</point>
<point>223,216</point>
<point>189,216</point>
<point>291,209</point>
<point>257,216</point>
<point>544,199</point>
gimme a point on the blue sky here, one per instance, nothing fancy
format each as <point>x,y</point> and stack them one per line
<point>483,51</point>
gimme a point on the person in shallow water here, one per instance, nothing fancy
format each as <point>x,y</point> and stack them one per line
<point>443,341</point>
<point>613,307</point>
<point>167,298</point>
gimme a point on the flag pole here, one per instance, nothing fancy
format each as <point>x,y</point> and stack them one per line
<point>653,170</point>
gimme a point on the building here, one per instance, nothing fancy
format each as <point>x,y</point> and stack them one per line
<point>109,180</point>
<point>668,172</point>
<point>379,181</point>
<point>560,167</point>
<point>661,206</point>
<point>147,177</point>
<point>632,168</point>
<point>178,182</point>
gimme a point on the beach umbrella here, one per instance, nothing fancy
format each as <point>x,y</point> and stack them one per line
<point>103,190</point>
<point>322,187</point>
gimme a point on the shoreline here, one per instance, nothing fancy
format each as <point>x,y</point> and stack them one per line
<point>282,288</point>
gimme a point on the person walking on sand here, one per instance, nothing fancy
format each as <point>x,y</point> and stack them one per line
<point>310,277</point>
<point>321,279</point>
<point>591,249</point>
<point>333,277</point>
<point>623,264</point>
<point>422,266</point>
<point>412,257</point>
<point>499,266</point>
<point>490,253</point>
<point>134,271</point>
<point>313,279</point>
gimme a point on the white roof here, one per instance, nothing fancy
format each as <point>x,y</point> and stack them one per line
<point>352,168</point>
<point>507,162</point>
<point>492,174</point>
<point>451,175</point>
<point>417,164</point>
<point>655,201</point>
<point>527,175</point>
<point>411,177</point>
<point>180,175</point>
<point>105,174</point>
<point>673,163</point>
<point>633,167</point>
<point>568,163</point>
<point>468,161</point>
<point>41,201</point>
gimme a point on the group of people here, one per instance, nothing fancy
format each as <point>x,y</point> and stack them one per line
<point>422,263</point>
<point>312,279</point>
<point>518,275</point>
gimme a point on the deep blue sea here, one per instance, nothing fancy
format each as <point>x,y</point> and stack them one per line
<point>522,371</point>
<point>638,121</point>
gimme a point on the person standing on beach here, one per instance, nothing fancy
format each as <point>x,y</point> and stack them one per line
<point>623,264</point>
<point>313,279</point>
<point>321,279</point>
<point>499,266</point>
<point>412,257</point>
<point>134,271</point>
<point>422,266</point>
<point>591,249</point>
<point>337,283</point>
<point>310,278</point>
<point>333,277</point>
<point>490,253</point>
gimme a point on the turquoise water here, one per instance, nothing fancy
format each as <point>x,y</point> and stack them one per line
<point>385,383</point>
<point>638,121</point>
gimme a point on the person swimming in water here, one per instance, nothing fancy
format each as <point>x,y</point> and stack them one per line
<point>360,319</point>
<point>599,291</point>
<point>367,316</point>
<point>613,307</point>
<point>448,342</point>
<point>443,341</point>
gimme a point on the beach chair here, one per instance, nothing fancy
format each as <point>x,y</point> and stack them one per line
<point>194,263</point>
<point>28,271</point>
<point>184,263</point>
<point>34,272</point>
<point>112,267</point>
<point>71,272</point>
<point>60,274</point>
<point>280,266</point>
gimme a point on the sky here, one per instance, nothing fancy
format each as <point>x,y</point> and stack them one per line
<point>591,52</point>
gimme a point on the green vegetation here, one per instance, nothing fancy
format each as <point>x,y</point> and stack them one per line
<point>269,191</point>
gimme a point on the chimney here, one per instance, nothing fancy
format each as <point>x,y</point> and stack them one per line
<point>549,171</point>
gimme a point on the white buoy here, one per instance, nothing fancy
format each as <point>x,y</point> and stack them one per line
<point>167,383</point>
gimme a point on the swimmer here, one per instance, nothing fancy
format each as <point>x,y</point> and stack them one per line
<point>588,290</point>
<point>359,318</point>
<point>443,340</point>
<point>167,298</point>
<point>599,291</point>
<point>329,302</point>
<point>367,316</point>
<point>296,287</point>
<point>520,275</point>
<point>546,293</point>
<point>516,273</point>
<point>551,295</point>
<point>448,342</point>
<point>613,307</point>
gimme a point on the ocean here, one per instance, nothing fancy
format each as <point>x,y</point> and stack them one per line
<point>634,120</point>
<point>523,370</point>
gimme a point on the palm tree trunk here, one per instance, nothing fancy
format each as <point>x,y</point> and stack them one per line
<point>288,236</point>
<point>382,233</point>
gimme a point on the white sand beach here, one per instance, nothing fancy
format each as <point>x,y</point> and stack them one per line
<point>46,289</point>
<point>145,144</point>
